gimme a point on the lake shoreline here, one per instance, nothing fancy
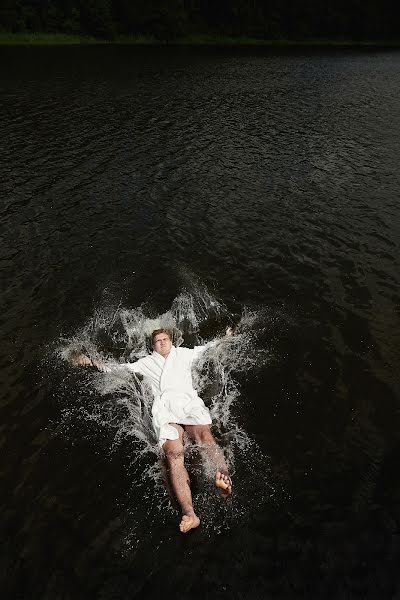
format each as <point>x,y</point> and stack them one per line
<point>44,39</point>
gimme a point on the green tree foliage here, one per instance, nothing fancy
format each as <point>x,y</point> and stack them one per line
<point>10,16</point>
<point>164,20</point>
<point>168,19</point>
<point>96,18</point>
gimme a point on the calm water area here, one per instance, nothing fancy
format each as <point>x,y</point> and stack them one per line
<point>256,187</point>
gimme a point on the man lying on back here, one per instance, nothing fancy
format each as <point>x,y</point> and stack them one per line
<point>177,410</point>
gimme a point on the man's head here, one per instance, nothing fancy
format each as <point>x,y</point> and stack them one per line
<point>162,341</point>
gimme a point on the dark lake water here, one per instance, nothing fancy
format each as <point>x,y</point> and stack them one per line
<point>255,187</point>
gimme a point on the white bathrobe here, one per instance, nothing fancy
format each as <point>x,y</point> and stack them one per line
<point>175,399</point>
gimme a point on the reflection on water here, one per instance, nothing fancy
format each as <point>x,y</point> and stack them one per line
<point>273,178</point>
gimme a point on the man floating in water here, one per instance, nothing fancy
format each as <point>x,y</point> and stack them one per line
<point>177,410</point>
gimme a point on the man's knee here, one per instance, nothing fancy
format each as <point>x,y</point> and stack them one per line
<point>203,435</point>
<point>173,452</point>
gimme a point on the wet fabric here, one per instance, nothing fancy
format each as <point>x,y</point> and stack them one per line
<point>175,399</point>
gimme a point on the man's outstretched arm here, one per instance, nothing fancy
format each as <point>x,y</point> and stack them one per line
<point>79,359</point>
<point>199,349</point>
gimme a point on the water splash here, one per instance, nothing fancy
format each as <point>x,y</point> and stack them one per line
<point>121,402</point>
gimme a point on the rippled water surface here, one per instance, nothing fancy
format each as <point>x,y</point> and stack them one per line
<point>253,187</point>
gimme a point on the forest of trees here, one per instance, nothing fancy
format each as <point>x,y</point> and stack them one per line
<point>169,19</point>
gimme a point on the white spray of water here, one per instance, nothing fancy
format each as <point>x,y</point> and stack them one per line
<point>122,402</point>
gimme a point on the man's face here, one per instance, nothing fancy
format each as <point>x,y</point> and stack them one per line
<point>162,344</point>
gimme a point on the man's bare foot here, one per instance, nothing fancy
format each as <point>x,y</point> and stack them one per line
<point>224,483</point>
<point>190,521</point>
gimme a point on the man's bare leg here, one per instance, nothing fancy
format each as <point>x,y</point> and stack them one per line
<point>174,454</point>
<point>213,453</point>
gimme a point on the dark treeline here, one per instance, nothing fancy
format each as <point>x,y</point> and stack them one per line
<point>169,19</point>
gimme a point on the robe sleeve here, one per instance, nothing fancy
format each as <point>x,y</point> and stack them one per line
<point>197,350</point>
<point>134,367</point>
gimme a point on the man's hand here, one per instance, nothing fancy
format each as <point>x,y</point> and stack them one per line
<point>229,331</point>
<point>81,360</point>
